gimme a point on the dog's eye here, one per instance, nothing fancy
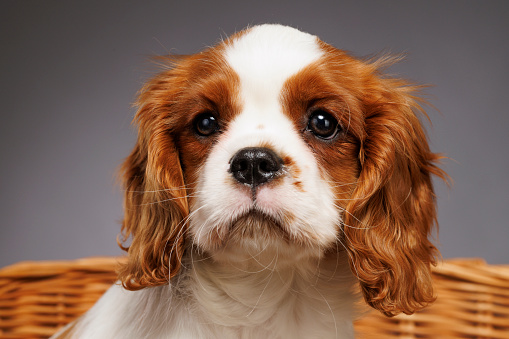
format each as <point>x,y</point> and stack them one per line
<point>206,124</point>
<point>323,125</point>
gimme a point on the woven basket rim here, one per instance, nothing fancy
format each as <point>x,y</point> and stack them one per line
<point>39,297</point>
<point>52,267</point>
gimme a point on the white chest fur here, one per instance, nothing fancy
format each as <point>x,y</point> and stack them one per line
<point>215,301</point>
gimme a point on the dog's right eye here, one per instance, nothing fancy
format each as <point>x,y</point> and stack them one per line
<point>206,124</point>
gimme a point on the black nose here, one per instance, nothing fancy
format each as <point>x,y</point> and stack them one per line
<point>255,166</point>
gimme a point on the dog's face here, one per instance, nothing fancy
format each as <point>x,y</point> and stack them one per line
<point>276,143</point>
<point>273,141</point>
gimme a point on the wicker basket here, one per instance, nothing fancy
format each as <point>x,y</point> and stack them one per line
<point>37,298</point>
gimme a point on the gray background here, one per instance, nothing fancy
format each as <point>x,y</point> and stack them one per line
<point>70,70</point>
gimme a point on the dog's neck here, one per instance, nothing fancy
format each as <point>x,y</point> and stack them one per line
<point>313,294</point>
<point>228,300</point>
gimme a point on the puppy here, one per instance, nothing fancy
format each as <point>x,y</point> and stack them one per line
<point>275,181</point>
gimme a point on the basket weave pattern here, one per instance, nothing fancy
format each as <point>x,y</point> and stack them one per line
<point>37,298</point>
<point>472,302</point>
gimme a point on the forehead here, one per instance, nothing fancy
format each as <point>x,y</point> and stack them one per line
<point>264,57</point>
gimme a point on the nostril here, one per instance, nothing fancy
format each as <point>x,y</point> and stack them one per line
<point>239,165</point>
<point>264,166</point>
<point>254,166</point>
<point>268,166</point>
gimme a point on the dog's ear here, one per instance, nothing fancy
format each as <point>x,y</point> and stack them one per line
<point>155,196</point>
<point>392,211</point>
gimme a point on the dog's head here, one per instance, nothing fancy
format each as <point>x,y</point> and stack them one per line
<point>275,142</point>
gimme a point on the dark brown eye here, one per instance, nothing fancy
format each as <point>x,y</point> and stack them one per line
<point>323,125</point>
<point>206,124</point>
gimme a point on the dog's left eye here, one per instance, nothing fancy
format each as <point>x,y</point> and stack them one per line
<point>323,125</point>
<point>206,124</point>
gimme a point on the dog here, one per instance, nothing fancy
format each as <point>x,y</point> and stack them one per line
<point>275,182</point>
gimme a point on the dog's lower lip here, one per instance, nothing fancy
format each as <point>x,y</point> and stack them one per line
<point>258,215</point>
<point>254,212</point>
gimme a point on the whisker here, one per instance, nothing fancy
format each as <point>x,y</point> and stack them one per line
<point>193,195</point>
<point>264,267</point>
<point>366,226</point>
<point>349,255</point>
<point>197,275</point>
<point>330,309</point>
<point>253,256</point>
<point>202,227</point>
<point>349,117</point>
<point>336,265</point>
<point>349,199</point>
<point>266,285</point>
<point>180,234</point>
<point>340,184</point>
<point>163,189</point>
<point>362,223</point>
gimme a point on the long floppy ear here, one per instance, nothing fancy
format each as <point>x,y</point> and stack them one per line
<point>392,211</point>
<point>154,201</point>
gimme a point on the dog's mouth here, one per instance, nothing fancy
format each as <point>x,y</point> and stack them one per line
<point>265,238</point>
<point>255,224</point>
<point>255,218</point>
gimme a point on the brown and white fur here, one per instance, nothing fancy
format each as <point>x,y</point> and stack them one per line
<point>275,181</point>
